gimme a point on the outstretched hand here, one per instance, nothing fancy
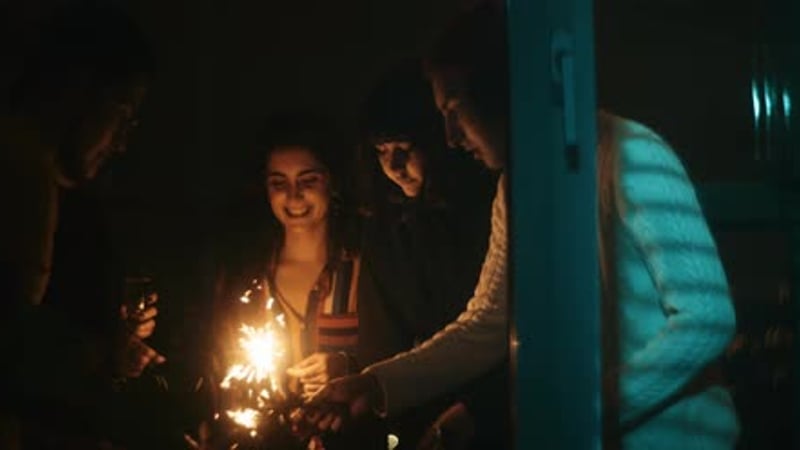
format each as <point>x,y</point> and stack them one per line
<point>317,370</point>
<point>341,401</point>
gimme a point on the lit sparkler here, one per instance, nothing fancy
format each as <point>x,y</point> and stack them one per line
<point>246,417</point>
<point>255,373</point>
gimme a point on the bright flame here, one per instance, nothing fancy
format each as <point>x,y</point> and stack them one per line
<point>245,298</point>
<point>263,397</point>
<point>254,374</point>
<point>262,351</point>
<point>247,417</point>
<point>256,370</point>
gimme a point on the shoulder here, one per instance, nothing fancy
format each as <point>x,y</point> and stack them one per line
<point>651,179</point>
<point>639,148</point>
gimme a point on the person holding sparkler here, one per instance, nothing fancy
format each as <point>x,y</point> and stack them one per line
<point>426,214</point>
<point>299,297</point>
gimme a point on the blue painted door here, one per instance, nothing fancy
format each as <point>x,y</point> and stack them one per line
<point>555,329</point>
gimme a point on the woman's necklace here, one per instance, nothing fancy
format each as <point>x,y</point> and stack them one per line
<point>301,318</point>
<point>284,302</point>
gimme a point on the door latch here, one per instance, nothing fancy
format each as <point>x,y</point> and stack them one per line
<point>562,50</point>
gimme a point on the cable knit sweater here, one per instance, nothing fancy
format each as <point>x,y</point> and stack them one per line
<point>675,314</point>
<point>467,347</point>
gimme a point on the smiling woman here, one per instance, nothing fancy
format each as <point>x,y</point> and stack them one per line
<point>298,188</point>
<point>308,261</point>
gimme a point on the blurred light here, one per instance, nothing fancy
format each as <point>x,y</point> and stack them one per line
<point>756,101</point>
<point>787,104</point>
<point>768,94</point>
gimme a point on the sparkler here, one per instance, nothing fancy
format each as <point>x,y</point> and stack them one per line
<point>254,378</point>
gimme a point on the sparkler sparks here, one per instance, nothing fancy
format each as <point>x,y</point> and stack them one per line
<point>256,369</point>
<point>246,417</point>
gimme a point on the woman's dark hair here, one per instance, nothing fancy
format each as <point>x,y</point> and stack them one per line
<point>90,39</point>
<point>476,45</point>
<point>320,136</point>
<point>400,107</point>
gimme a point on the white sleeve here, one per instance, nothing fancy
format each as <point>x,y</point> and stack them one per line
<point>468,346</point>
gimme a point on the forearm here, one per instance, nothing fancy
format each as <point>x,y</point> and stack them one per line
<point>464,350</point>
<point>683,350</point>
<point>467,347</point>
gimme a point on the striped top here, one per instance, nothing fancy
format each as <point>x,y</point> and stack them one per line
<point>330,321</point>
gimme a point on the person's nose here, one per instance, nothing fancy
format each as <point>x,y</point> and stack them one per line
<point>398,160</point>
<point>295,191</point>
<point>453,132</point>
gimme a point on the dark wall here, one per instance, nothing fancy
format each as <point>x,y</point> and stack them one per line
<point>686,69</point>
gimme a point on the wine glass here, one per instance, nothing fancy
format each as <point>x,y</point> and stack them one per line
<point>139,293</point>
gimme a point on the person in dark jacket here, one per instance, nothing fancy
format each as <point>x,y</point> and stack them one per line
<point>426,209</point>
<point>69,111</point>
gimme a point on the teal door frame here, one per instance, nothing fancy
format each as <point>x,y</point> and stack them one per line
<point>553,225</point>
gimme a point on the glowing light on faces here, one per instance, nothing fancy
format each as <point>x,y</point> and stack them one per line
<point>402,163</point>
<point>297,187</point>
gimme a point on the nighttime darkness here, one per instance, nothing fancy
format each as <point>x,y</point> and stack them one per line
<point>402,225</point>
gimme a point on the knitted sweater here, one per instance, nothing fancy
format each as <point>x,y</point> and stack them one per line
<point>675,312</point>
<point>470,345</point>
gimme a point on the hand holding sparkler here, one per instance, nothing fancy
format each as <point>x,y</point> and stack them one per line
<point>318,369</point>
<point>341,401</point>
